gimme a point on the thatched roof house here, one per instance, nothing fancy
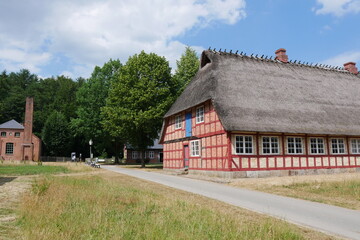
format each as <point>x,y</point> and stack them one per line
<point>254,94</point>
<point>257,95</point>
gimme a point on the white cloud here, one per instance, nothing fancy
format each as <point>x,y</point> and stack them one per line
<point>345,57</point>
<point>89,32</point>
<point>338,7</point>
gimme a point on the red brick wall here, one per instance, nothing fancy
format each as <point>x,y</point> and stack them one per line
<point>18,154</point>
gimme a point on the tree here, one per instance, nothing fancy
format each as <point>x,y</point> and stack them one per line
<point>17,88</point>
<point>56,135</point>
<point>187,67</point>
<point>90,98</point>
<point>4,89</point>
<point>138,100</point>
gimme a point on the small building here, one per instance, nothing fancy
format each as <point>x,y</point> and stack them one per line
<point>17,142</point>
<point>251,116</point>
<point>153,154</point>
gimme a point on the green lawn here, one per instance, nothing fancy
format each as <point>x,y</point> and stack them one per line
<point>23,169</point>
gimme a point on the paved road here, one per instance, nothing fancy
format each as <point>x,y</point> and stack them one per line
<point>329,219</point>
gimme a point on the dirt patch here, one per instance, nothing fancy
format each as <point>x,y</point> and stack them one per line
<point>12,188</point>
<point>11,191</point>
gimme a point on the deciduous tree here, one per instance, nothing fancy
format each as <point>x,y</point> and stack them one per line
<point>138,100</point>
<point>56,135</point>
<point>187,67</point>
<point>91,97</point>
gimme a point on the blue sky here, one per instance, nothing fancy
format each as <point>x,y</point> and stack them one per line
<point>71,37</point>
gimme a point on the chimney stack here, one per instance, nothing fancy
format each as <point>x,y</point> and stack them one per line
<point>281,55</point>
<point>351,67</point>
<point>28,125</point>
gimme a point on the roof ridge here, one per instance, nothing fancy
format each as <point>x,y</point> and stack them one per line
<point>291,62</point>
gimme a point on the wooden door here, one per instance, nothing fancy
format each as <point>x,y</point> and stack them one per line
<point>186,156</point>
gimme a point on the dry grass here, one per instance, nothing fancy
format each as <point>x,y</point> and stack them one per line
<point>74,167</point>
<point>336,189</point>
<point>114,206</point>
<point>13,186</point>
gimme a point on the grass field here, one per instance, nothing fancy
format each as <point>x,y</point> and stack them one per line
<point>113,206</point>
<point>32,168</point>
<point>341,190</point>
<point>25,169</point>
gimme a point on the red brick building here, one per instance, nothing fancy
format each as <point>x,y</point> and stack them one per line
<point>250,116</point>
<point>17,142</point>
<point>153,154</point>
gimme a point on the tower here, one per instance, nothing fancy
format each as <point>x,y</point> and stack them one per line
<point>28,147</point>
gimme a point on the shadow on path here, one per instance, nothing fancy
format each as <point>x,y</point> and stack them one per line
<point>4,180</point>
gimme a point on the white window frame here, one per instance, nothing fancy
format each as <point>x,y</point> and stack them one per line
<point>9,148</point>
<point>135,155</point>
<point>3,134</point>
<point>293,145</point>
<point>151,154</point>
<point>178,122</point>
<point>317,146</point>
<point>241,143</point>
<point>337,143</point>
<point>195,148</point>
<point>355,145</point>
<point>200,114</point>
<point>17,134</point>
<point>271,149</point>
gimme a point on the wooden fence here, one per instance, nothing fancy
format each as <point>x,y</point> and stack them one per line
<point>54,159</point>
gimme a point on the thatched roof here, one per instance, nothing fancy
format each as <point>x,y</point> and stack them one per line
<point>262,95</point>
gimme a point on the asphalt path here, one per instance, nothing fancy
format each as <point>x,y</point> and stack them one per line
<point>322,217</point>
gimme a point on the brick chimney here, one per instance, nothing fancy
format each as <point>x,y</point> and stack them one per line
<point>28,125</point>
<point>281,55</point>
<point>351,67</point>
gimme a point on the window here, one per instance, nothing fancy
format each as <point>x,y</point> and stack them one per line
<point>178,122</point>
<point>9,149</point>
<point>151,154</point>
<point>294,145</point>
<point>195,148</point>
<point>355,146</point>
<point>337,145</point>
<point>3,134</point>
<point>200,115</point>
<point>243,144</point>
<point>17,134</point>
<point>135,155</point>
<point>270,145</point>
<point>317,146</point>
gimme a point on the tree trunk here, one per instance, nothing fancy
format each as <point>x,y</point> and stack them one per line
<point>142,159</point>
<point>117,152</point>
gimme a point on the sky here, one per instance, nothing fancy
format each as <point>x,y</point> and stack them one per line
<point>71,37</point>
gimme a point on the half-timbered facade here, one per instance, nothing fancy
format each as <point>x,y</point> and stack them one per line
<point>246,116</point>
